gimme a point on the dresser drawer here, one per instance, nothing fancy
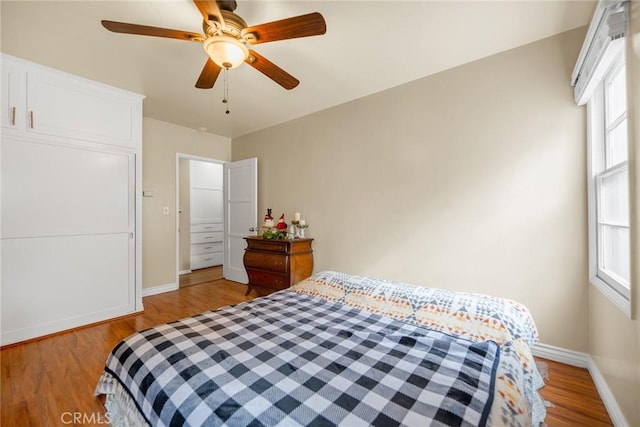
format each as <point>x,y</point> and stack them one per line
<point>267,279</point>
<point>206,248</point>
<point>215,236</point>
<point>270,245</point>
<point>267,261</point>
<point>206,260</point>
<point>206,228</point>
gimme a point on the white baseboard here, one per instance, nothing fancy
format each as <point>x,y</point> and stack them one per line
<point>557,354</point>
<point>583,360</point>
<point>181,272</point>
<point>617,417</point>
<point>50,328</point>
<point>160,289</point>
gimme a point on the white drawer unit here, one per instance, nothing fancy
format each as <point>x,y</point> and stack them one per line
<point>206,245</point>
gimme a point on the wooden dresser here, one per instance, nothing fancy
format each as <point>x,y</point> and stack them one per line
<point>277,263</point>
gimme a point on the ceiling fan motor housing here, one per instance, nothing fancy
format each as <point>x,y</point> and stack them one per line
<point>234,25</point>
<point>229,5</point>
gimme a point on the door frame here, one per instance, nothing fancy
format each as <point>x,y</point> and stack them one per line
<point>185,156</point>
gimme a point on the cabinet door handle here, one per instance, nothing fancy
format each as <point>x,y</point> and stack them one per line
<point>13,116</point>
<point>208,259</point>
<point>206,228</point>
<point>208,247</point>
<point>31,119</point>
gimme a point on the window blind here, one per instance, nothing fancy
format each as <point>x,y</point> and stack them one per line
<point>604,40</point>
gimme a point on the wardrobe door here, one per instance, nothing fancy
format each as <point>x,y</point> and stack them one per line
<point>68,246</point>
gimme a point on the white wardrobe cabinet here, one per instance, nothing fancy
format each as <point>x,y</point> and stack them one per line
<point>207,218</point>
<point>70,201</point>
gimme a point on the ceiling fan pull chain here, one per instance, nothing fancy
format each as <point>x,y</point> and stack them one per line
<point>225,99</point>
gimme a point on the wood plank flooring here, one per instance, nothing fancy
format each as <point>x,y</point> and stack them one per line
<point>200,276</point>
<point>574,397</point>
<point>50,382</point>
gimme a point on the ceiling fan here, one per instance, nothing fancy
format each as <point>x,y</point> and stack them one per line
<point>226,36</point>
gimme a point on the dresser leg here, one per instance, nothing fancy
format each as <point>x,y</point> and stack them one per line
<point>248,290</point>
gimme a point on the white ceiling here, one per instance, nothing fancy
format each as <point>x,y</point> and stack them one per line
<point>369,46</point>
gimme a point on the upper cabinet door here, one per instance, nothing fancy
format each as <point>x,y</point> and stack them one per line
<point>43,102</point>
<point>71,108</point>
<point>13,93</point>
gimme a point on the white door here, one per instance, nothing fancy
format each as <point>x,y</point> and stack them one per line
<point>68,227</point>
<point>240,214</point>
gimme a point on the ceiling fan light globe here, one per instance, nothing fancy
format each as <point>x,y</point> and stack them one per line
<point>226,51</point>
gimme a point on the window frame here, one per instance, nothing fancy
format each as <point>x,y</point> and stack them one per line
<point>598,129</point>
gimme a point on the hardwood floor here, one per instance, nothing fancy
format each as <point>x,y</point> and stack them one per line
<point>50,382</point>
<point>574,397</point>
<point>200,276</point>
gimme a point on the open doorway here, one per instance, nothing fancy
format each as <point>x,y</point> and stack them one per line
<point>200,219</point>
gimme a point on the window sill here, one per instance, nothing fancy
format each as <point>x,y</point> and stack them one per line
<point>616,299</point>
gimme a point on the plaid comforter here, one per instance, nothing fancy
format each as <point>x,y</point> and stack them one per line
<point>293,359</point>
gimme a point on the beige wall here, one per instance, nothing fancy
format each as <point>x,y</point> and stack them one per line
<point>161,142</point>
<point>614,339</point>
<point>472,179</point>
<point>614,348</point>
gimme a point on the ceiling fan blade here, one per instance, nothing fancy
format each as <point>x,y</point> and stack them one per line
<point>312,24</point>
<point>143,30</point>
<point>209,75</point>
<point>209,8</point>
<point>271,70</point>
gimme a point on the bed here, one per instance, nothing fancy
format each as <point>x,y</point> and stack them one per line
<point>335,349</point>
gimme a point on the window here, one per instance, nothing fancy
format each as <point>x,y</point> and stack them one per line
<point>609,249</point>
<point>600,81</point>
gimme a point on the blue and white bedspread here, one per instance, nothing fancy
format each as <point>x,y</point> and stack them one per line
<point>293,359</point>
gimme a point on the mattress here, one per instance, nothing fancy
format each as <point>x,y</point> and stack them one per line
<point>335,349</point>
